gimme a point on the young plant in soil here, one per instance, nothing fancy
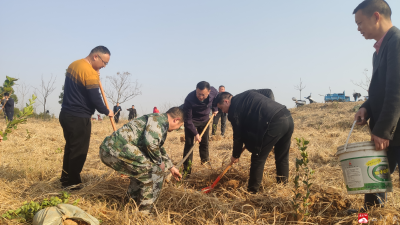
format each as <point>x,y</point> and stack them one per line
<point>302,182</point>
<point>28,210</point>
<point>185,171</point>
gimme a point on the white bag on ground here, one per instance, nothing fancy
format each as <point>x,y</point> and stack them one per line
<point>57,214</point>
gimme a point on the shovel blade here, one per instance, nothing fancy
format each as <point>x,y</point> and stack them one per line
<point>206,190</point>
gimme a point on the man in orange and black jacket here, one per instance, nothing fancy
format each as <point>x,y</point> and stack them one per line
<point>81,99</point>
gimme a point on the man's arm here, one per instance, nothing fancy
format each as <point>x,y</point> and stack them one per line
<point>96,99</point>
<point>237,140</point>
<point>187,109</point>
<point>386,123</point>
<point>165,158</point>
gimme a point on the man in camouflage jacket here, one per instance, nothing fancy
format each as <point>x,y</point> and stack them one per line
<point>136,151</point>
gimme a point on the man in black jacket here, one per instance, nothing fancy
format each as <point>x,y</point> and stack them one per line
<point>132,113</point>
<point>8,107</point>
<point>117,110</point>
<point>197,107</point>
<point>383,105</point>
<point>260,123</point>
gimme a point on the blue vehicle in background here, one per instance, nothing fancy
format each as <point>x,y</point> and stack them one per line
<point>337,97</point>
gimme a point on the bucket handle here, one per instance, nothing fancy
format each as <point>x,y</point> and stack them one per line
<point>348,137</point>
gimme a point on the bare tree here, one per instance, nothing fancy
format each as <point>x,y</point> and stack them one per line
<point>364,84</point>
<point>299,87</point>
<point>45,90</point>
<point>22,90</point>
<point>120,88</point>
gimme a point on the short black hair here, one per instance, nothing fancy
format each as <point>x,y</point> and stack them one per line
<point>6,94</point>
<point>222,96</point>
<point>369,7</point>
<point>176,112</point>
<point>202,85</point>
<point>100,49</point>
<point>221,86</point>
<point>133,105</point>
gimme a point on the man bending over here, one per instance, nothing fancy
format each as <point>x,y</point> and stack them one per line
<point>136,150</point>
<point>261,124</point>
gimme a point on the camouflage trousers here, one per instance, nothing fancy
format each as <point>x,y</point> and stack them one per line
<point>146,179</point>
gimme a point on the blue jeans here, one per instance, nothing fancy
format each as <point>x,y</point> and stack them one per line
<point>393,154</point>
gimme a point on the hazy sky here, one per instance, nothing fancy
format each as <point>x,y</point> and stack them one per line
<point>171,45</point>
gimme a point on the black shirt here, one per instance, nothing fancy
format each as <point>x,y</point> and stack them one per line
<point>9,107</point>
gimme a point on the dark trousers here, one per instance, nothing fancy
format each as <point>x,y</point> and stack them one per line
<point>130,117</point>
<point>116,118</point>
<point>9,115</point>
<point>223,123</point>
<point>203,148</point>
<point>279,134</point>
<point>393,155</point>
<point>77,137</point>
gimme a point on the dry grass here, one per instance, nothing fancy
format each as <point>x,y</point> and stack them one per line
<point>30,168</point>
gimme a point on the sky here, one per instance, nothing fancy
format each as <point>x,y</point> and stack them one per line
<point>169,46</point>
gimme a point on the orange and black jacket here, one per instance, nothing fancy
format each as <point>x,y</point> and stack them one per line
<point>81,91</point>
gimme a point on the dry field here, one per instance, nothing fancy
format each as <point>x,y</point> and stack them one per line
<point>30,168</point>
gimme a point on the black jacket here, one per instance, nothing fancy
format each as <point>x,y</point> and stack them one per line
<point>132,112</point>
<point>250,114</point>
<point>383,104</point>
<point>9,106</point>
<point>116,108</point>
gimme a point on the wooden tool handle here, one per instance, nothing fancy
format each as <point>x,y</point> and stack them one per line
<point>116,112</point>
<point>223,173</point>
<point>105,102</point>
<point>191,150</point>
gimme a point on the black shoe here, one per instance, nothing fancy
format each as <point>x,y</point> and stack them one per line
<point>75,187</point>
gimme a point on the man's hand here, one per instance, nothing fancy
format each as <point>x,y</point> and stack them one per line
<point>197,138</point>
<point>234,160</point>
<point>380,143</point>
<point>361,116</point>
<point>215,113</point>
<point>110,114</point>
<point>175,173</point>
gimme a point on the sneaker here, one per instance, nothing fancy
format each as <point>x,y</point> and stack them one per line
<point>75,187</point>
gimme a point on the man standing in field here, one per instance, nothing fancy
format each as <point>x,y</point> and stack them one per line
<point>81,99</point>
<point>8,107</point>
<point>117,109</point>
<point>221,115</point>
<point>261,124</point>
<point>132,113</point>
<point>136,150</point>
<point>197,108</point>
<point>373,18</point>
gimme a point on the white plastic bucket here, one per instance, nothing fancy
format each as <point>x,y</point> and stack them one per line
<point>365,170</point>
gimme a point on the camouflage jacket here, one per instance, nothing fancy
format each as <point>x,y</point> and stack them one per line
<point>145,134</point>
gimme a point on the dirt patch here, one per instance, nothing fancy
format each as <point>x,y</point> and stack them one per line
<point>182,138</point>
<point>232,184</point>
<point>328,200</point>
